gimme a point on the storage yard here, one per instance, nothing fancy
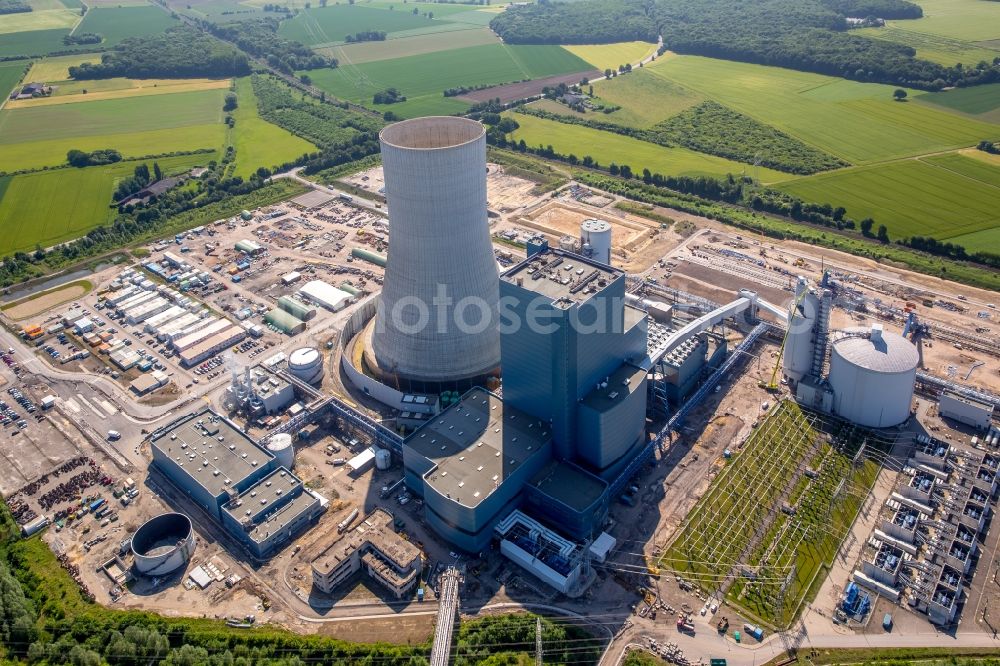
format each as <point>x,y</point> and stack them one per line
<point>766,437</point>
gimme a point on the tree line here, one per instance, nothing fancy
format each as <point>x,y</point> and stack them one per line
<point>366,36</point>
<point>80,158</point>
<point>180,52</point>
<point>14,7</point>
<point>259,37</point>
<point>809,35</point>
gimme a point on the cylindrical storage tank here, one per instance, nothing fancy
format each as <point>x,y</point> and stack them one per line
<point>797,360</point>
<point>441,268</point>
<point>163,544</point>
<point>306,364</point>
<point>383,459</point>
<point>597,234</point>
<point>297,308</point>
<point>872,374</point>
<point>280,446</point>
<point>370,256</point>
<point>350,289</point>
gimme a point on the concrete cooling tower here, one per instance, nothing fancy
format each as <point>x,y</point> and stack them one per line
<point>435,187</point>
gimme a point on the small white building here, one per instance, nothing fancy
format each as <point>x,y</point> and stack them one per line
<point>291,278</point>
<point>965,410</point>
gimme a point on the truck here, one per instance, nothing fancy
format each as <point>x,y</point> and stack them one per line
<point>685,625</point>
<point>344,196</point>
<point>420,594</point>
<point>97,504</point>
<point>754,631</point>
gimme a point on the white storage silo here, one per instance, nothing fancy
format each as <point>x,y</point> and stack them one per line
<point>280,446</point>
<point>441,268</point>
<point>383,459</point>
<point>799,346</point>
<point>306,364</point>
<point>872,374</point>
<point>597,234</point>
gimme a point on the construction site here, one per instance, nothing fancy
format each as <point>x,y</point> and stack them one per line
<point>709,435</point>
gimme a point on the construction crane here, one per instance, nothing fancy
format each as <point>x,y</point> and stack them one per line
<point>773,384</point>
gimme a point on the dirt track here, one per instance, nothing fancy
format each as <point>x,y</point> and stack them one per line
<point>513,91</point>
<point>40,304</point>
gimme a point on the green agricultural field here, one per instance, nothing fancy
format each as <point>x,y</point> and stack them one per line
<point>858,122</point>
<point>10,76</point>
<point>134,114</point>
<point>331,25</point>
<point>33,43</point>
<point>610,56</point>
<point>118,23</point>
<point>910,197</point>
<point>47,19</point>
<point>646,99</point>
<point>980,101</point>
<point>424,78</point>
<point>606,148</point>
<point>935,48</point>
<point>258,143</point>
<point>51,207</point>
<point>52,152</point>
<point>988,240</point>
<point>981,170</point>
<point>355,54</point>
<point>735,531</point>
<point>56,68</point>
<point>964,20</point>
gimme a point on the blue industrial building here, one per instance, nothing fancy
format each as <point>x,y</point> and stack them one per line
<point>241,485</point>
<point>573,412</point>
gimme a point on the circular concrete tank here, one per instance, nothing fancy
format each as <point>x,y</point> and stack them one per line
<point>280,446</point>
<point>437,314</point>
<point>163,544</point>
<point>872,374</point>
<point>306,364</point>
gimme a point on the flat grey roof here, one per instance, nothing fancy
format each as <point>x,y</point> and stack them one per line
<point>565,278</point>
<point>218,465</point>
<point>281,518</point>
<point>570,485</point>
<point>476,444</point>
<point>261,496</point>
<point>621,383</point>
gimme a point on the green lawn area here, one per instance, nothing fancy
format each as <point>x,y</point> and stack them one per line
<point>35,42</point>
<point>423,78</point>
<point>118,23</point>
<point>10,75</point>
<point>56,68</point>
<point>910,197</point>
<point>259,143</point>
<point>980,170</point>
<point>980,101</point>
<point>646,99</point>
<point>409,46</point>
<point>606,148</point>
<point>133,114</point>
<point>936,48</point>
<point>50,207</point>
<point>858,122</point>
<point>332,24</point>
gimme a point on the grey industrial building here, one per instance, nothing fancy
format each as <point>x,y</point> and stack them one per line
<point>239,484</point>
<point>573,408</point>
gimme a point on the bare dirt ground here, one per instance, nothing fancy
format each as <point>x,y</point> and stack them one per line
<point>45,302</point>
<point>520,90</point>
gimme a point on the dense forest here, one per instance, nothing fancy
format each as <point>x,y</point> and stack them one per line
<point>715,129</point>
<point>809,35</point>
<point>259,38</point>
<point>587,22</point>
<point>180,52</point>
<point>14,7</point>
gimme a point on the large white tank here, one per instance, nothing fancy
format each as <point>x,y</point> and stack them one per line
<point>383,459</point>
<point>797,360</point>
<point>872,374</point>
<point>163,544</point>
<point>441,266</point>
<point>280,446</point>
<point>597,234</point>
<point>306,364</point>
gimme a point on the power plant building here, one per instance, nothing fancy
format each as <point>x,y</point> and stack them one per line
<point>573,409</point>
<point>261,504</point>
<point>441,258</point>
